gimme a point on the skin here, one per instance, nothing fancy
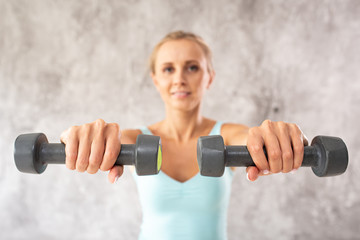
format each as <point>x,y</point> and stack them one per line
<point>181,77</point>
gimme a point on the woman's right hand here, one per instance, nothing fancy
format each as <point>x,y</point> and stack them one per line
<point>93,146</point>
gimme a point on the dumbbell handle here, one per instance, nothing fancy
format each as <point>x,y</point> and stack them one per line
<point>239,156</point>
<point>54,153</point>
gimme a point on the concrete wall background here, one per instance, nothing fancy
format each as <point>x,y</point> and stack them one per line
<point>65,63</point>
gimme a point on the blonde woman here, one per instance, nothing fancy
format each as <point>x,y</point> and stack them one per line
<point>179,203</point>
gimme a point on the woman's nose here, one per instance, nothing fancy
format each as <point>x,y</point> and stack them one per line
<point>179,77</point>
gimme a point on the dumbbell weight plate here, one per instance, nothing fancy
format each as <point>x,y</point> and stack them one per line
<point>148,155</point>
<point>24,149</point>
<point>334,153</point>
<point>213,152</point>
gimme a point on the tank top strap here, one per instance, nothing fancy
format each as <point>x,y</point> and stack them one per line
<point>216,130</point>
<point>145,130</point>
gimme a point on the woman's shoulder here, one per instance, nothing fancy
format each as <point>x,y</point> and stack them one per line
<point>234,133</point>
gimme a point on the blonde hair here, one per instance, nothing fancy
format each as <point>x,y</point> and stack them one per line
<point>180,35</point>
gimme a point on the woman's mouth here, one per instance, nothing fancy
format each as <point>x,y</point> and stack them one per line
<point>180,94</point>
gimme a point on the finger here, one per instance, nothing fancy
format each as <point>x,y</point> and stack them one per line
<point>96,154</point>
<point>82,161</point>
<point>114,173</point>
<point>97,148</point>
<point>71,148</point>
<point>297,141</point>
<point>273,152</point>
<point>252,173</point>
<point>112,149</point>
<point>255,145</point>
<point>286,149</point>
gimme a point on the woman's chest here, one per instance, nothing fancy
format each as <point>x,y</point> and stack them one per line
<point>179,160</point>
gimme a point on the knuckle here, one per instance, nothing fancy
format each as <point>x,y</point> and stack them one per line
<point>253,134</point>
<point>296,128</point>
<point>113,129</point>
<point>92,169</point>
<point>275,170</point>
<point>70,163</point>
<point>298,147</point>
<point>85,130</point>
<point>100,127</point>
<point>253,131</point>
<point>287,155</point>
<point>73,129</point>
<point>104,168</point>
<point>267,124</point>
<point>297,165</point>
<point>70,133</point>
<point>281,123</point>
<point>114,126</point>
<point>80,168</point>
<point>283,126</point>
<point>82,163</point>
<point>287,170</point>
<point>71,157</point>
<point>70,166</point>
<point>95,161</point>
<point>86,127</point>
<point>255,148</point>
<point>100,123</point>
<point>111,154</point>
<point>274,154</point>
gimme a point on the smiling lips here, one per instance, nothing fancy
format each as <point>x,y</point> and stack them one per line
<point>180,94</point>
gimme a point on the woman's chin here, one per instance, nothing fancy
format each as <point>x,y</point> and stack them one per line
<point>183,105</point>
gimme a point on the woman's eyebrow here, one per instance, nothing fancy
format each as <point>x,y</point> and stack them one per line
<point>166,63</point>
<point>187,62</point>
<point>192,61</point>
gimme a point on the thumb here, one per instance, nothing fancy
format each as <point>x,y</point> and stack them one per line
<point>252,173</point>
<point>114,173</point>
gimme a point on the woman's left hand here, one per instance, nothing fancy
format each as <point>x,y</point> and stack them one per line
<point>284,143</point>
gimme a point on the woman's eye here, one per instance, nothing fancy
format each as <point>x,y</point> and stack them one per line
<point>168,70</point>
<point>193,68</point>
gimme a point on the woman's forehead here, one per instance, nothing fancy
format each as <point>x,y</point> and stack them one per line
<point>180,51</point>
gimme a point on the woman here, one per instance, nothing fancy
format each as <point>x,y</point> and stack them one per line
<point>178,203</point>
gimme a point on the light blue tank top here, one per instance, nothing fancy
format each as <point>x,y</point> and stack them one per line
<point>192,210</point>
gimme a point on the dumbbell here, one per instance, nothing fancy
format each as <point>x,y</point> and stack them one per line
<point>327,156</point>
<point>33,152</point>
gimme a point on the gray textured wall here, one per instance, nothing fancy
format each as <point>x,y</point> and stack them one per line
<point>65,63</point>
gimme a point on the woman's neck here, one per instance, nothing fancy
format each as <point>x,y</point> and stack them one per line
<point>183,126</point>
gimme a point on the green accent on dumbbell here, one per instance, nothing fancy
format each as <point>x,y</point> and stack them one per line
<point>159,159</point>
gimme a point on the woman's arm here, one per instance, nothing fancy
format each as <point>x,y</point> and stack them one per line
<point>128,136</point>
<point>234,134</point>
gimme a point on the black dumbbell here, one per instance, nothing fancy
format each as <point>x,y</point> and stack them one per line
<point>32,153</point>
<point>328,156</point>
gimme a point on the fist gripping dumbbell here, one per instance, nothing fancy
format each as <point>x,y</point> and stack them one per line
<point>327,156</point>
<point>33,153</point>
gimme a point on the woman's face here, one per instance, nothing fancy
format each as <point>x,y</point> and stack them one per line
<point>181,74</point>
